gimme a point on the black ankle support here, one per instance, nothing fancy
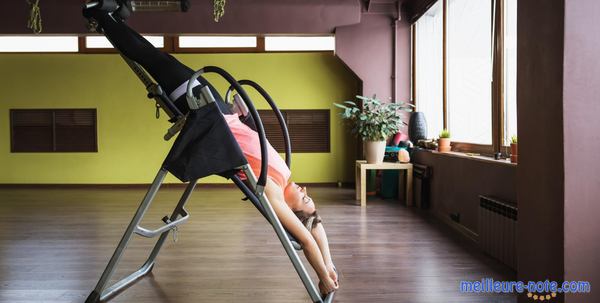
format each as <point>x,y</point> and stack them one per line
<point>124,10</point>
<point>108,5</point>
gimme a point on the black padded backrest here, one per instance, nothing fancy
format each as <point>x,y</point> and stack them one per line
<point>205,146</point>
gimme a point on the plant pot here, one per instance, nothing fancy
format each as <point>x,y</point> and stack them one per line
<point>374,151</point>
<point>444,145</point>
<point>514,152</point>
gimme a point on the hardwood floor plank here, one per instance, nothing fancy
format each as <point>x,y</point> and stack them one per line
<point>54,244</point>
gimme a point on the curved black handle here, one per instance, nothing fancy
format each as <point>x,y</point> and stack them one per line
<point>278,114</point>
<point>264,166</point>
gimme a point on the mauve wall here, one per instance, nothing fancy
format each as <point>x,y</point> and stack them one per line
<point>403,62</point>
<point>368,49</point>
<point>540,174</point>
<point>364,40</point>
<point>241,16</point>
<point>581,109</point>
<point>457,182</point>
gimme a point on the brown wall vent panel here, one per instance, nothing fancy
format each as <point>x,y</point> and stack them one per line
<point>53,130</point>
<point>309,130</point>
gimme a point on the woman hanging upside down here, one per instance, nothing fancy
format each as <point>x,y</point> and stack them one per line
<point>294,208</point>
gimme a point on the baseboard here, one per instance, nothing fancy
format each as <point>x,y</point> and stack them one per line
<point>461,229</point>
<point>108,186</point>
<point>142,185</point>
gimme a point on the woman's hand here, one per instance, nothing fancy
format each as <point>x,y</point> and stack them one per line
<point>327,285</point>
<point>333,275</point>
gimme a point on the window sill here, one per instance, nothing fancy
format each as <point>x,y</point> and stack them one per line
<point>471,157</point>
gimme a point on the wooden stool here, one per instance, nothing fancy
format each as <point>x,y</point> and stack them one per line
<point>361,179</point>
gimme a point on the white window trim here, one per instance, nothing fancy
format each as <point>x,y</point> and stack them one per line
<point>39,44</point>
<point>101,42</point>
<point>209,41</point>
<point>299,43</point>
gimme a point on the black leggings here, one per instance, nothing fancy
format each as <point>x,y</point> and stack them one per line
<point>164,68</point>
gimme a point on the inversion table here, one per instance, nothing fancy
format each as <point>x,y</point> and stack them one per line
<point>205,146</point>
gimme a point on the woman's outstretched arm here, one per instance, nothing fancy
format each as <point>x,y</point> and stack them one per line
<point>318,233</point>
<point>294,226</point>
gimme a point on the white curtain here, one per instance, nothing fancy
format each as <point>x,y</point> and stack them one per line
<point>510,70</point>
<point>470,70</point>
<point>429,68</point>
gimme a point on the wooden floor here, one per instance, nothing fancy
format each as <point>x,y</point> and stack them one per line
<point>54,243</point>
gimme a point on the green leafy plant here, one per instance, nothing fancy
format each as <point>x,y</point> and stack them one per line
<point>513,139</point>
<point>444,134</point>
<point>374,121</point>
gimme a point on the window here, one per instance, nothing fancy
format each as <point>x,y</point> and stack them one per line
<point>172,44</point>
<point>478,79</point>
<point>217,41</point>
<point>510,70</point>
<point>299,43</point>
<point>102,42</point>
<point>39,44</point>
<point>53,130</point>
<point>309,130</point>
<point>469,74</point>
<point>429,68</point>
<point>218,44</point>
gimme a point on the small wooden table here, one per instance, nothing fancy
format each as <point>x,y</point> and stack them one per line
<point>361,179</point>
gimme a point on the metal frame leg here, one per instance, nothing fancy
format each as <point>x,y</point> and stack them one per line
<point>287,244</point>
<point>101,292</point>
<point>178,209</point>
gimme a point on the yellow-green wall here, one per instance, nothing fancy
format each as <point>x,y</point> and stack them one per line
<point>130,144</point>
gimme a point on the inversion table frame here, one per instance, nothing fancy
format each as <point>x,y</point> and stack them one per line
<point>251,187</point>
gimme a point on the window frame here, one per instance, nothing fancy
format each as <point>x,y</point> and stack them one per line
<point>497,98</point>
<point>504,148</point>
<point>171,45</point>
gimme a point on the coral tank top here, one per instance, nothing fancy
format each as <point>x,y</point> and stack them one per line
<point>248,140</point>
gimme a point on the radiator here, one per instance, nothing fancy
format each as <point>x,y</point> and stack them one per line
<point>498,230</point>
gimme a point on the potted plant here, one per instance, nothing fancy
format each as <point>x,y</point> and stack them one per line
<point>514,151</point>
<point>444,141</point>
<point>374,122</point>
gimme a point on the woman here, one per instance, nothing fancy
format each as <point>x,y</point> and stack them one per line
<point>291,203</point>
<point>294,208</point>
